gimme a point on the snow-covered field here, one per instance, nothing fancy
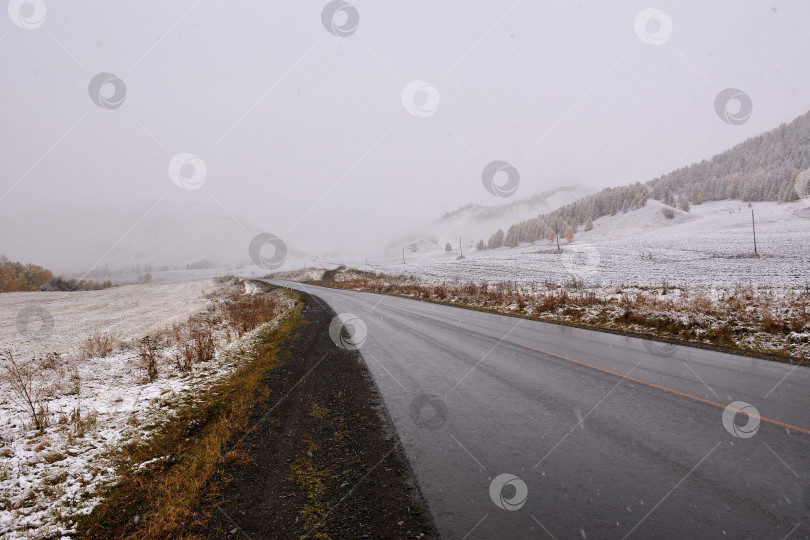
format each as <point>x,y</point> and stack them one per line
<point>710,246</point>
<point>46,477</point>
<point>125,313</point>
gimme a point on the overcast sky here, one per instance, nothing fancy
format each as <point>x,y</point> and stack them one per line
<point>305,133</point>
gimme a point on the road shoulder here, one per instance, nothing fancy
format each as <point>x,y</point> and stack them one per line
<point>322,460</point>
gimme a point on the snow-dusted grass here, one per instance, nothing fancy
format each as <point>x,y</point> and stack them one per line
<point>710,246</point>
<point>96,405</point>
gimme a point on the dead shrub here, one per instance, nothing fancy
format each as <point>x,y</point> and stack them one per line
<point>184,357</point>
<point>202,342</point>
<point>148,355</point>
<point>26,389</point>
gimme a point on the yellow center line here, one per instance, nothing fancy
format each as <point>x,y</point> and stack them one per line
<point>634,379</point>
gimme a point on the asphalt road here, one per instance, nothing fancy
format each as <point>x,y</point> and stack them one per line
<point>604,436</point>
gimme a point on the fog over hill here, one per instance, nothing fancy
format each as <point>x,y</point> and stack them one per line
<point>158,233</point>
<point>470,222</point>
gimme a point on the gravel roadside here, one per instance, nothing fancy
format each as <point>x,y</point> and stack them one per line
<point>323,460</point>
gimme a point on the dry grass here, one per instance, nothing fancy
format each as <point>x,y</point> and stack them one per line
<point>97,346</point>
<point>762,321</point>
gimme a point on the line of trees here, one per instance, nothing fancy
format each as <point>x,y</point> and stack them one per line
<point>567,220</point>
<point>15,276</point>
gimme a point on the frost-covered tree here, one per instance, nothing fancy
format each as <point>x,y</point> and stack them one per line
<point>569,234</point>
<point>480,246</point>
<point>589,224</point>
<point>697,194</point>
<point>496,240</point>
<point>448,247</point>
<point>512,239</point>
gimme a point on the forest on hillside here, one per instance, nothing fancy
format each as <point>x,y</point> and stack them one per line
<point>761,168</point>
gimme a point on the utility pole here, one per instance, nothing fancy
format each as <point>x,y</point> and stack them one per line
<point>460,248</point>
<point>754,227</point>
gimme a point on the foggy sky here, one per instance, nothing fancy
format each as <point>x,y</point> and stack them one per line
<point>304,133</point>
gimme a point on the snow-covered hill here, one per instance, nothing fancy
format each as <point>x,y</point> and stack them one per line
<point>712,245</point>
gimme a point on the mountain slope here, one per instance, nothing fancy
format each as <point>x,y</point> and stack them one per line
<point>762,168</point>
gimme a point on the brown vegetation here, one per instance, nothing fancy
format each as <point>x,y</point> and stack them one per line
<point>15,276</point>
<point>97,346</point>
<point>754,320</point>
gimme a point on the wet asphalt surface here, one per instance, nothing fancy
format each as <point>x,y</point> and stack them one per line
<point>603,436</point>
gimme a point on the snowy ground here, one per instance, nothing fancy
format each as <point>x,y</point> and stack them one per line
<point>47,477</point>
<point>710,246</point>
<point>125,313</point>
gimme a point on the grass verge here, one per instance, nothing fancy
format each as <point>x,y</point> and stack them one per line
<point>162,479</point>
<point>743,323</point>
